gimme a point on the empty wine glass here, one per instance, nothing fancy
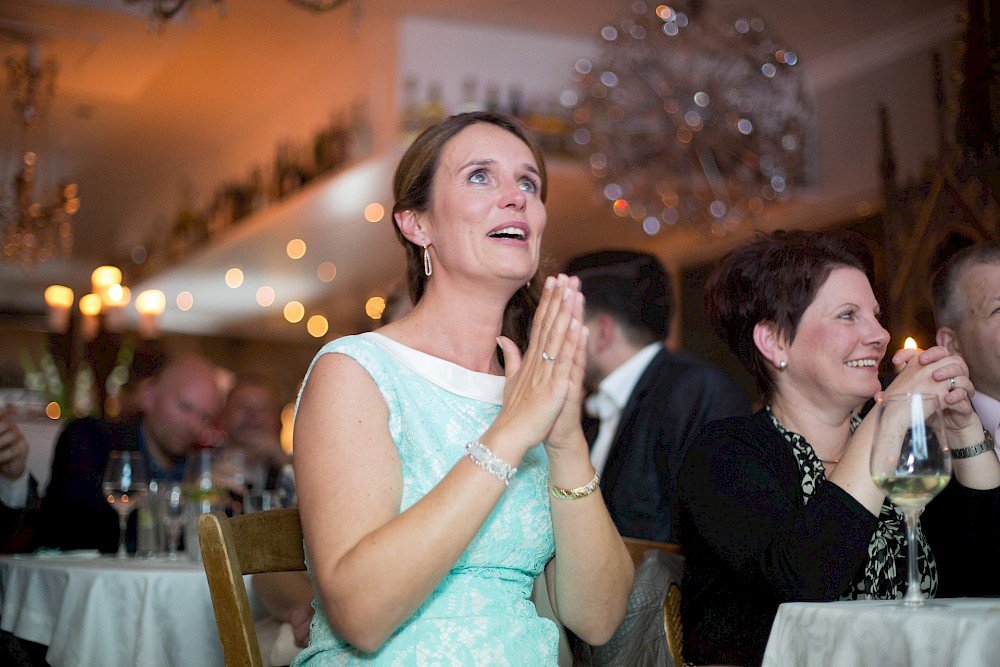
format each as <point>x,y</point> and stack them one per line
<point>171,511</point>
<point>911,464</point>
<point>125,487</point>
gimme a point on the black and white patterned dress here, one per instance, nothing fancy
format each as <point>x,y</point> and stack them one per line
<point>884,574</point>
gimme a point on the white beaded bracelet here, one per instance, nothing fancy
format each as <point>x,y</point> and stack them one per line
<point>490,462</point>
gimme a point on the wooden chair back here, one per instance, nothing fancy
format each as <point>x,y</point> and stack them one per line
<point>672,626</point>
<point>269,541</point>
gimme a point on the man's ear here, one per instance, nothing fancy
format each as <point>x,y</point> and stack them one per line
<point>603,331</point>
<point>769,343</point>
<point>948,339</point>
<point>411,226</point>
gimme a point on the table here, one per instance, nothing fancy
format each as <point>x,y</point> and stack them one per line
<point>93,610</point>
<point>881,633</point>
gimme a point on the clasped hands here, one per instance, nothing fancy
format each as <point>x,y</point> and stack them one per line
<point>937,371</point>
<point>544,387</point>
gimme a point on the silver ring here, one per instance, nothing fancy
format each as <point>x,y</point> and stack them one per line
<point>952,383</point>
<point>546,357</point>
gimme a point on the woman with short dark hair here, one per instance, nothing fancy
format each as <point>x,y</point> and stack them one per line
<point>780,506</point>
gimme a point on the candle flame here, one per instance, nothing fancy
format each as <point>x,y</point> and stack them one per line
<point>910,344</point>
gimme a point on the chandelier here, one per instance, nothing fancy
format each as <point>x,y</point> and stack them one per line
<point>161,11</point>
<point>691,120</point>
<point>33,231</point>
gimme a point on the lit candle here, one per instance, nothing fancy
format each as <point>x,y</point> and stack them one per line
<point>90,307</point>
<point>910,344</point>
<point>150,304</point>
<point>118,296</point>
<point>59,299</point>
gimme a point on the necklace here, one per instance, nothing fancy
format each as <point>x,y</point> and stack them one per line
<point>830,462</point>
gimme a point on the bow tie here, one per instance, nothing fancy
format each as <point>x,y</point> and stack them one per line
<point>600,406</point>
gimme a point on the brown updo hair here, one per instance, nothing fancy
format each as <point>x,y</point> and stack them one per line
<point>413,187</point>
<point>773,278</point>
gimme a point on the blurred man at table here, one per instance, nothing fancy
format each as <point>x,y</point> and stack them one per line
<point>646,402</point>
<point>252,458</point>
<point>18,493</point>
<point>251,420</point>
<point>179,405</point>
<point>966,295</point>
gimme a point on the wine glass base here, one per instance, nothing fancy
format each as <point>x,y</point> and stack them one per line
<point>922,604</point>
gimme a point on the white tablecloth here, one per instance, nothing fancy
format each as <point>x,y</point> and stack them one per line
<point>963,632</point>
<point>103,611</point>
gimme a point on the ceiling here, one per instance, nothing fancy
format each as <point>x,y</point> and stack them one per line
<point>144,119</point>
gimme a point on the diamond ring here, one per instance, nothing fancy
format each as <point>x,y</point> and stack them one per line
<point>547,357</point>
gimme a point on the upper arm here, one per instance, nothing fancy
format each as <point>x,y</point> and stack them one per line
<point>347,468</point>
<point>741,503</point>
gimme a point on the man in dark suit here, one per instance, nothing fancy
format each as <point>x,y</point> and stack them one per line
<point>178,406</point>
<point>646,402</point>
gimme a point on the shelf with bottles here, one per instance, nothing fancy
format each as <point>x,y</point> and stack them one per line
<point>345,140</point>
<point>549,122</point>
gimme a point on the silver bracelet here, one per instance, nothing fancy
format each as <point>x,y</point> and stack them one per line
<point>490,462</point>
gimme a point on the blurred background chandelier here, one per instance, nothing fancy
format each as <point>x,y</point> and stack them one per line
<point>690,118</point>
<point>33,231</point>
<point>161,11</point>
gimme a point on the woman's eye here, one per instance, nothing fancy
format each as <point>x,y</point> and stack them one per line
<point>529,185</point>
<point>478,176</point>
<point>847,315</point>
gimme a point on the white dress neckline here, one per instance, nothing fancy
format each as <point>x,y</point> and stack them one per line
<point>445,374</point>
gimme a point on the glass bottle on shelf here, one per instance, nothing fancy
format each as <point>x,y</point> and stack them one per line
<point>409,118</point>
<point>432,110</point>
<point>493,98</point>
<point>469,103</point>
<point>360,132</point>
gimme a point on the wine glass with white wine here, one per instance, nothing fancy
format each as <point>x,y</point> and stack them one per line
<point>125,487</point>
<point>911,464</point>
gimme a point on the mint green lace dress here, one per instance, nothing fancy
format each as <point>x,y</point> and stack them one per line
<point>481,613</point>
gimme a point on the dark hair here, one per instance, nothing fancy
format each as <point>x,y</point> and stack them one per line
<point>950,304</point>
<point>773,278</point>
<point>631,287</point>
<point>413,186</point>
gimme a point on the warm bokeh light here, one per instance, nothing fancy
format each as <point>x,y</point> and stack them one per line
<point>296,248</point>
<point>910,344</point>
<point>53,411</point>
<point>118,295</point>
<point>104,277</point>
<point>326,271</point>
<point>234,277</point>
<point>58,296</point>
<point>317,326</point>
<point>374,307</point>
<point>265,296</point>
<point>294,311</point>
<point>90,304</point>
<point>185,300</point>
<point>374,212</point>
<point>287,427</point>
<point>620,208</point>
<point>151,302</point>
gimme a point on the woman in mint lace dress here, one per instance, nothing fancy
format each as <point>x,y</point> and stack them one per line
<point>440,463</point>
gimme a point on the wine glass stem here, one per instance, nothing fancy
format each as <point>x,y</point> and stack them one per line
<point>913,594</point>
<point>122,527</point>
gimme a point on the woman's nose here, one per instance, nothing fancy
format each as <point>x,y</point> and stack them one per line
<point>513,197</point>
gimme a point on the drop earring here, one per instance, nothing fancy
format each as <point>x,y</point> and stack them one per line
<point>428,268</point>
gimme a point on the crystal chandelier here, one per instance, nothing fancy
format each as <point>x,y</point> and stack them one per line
<point>161,11</point>
<point>33,231</point>
<point>691,120</point>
